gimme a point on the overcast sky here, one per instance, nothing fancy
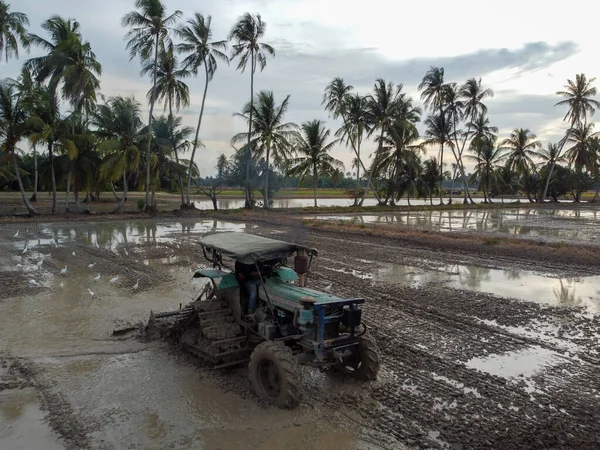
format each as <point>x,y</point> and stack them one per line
<point>524,50</point>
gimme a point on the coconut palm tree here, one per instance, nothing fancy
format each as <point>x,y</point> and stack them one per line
<point>313,153</point>
<point>170,89</point>
<point>433,97</point>
<point>52,129</point>
<point>247,35</point>
<point>400,140</point>
<point>119,125</point>
<point>549,155</point>
<point>487,160</point>
<point>385,105</point>
<point>62,34</point>
<point>521,147</point>
<point>171,139</point>
<point>201,51</point>
<point>80,84</point>
<point>149,27</point>
<point>12,31</point>
<point>578,96</point>
<point>13,128</point>
<point>582,153</point>
<point>438,132</point>
<point>356,125</point>
<point>271,136</point>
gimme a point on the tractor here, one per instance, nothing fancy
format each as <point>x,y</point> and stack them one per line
<point>291,325</point>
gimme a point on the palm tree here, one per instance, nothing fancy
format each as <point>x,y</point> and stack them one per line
<point>549,155</point>
<point>578,97</point>
<point>270,134</point>
<point>222,166</point>
<point>80,83</point>
<point>433,97</point>
<point>202,51</point>
<point>486,158</point>
<point>384,105</point>
<point>52,129</point>
<point>12,31</point>
<point>437,132</point>
<point>62,33</point>
<point>582,153</point>
<point>521,146</point>
<point>313,153</point>
<point>398,145</point>
<point>247,34</point>
<point>170,140</point>
<point>119,124</point>
<point>353,110</point>
<point>170,89</point>
<point>149,26</point>
<point>13,128</point>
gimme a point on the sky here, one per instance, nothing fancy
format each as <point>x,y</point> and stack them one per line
<point>524,50</point>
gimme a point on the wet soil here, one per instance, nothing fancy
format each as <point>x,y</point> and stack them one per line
<point>461,368</point>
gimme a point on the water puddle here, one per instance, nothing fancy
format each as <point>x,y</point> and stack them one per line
<point>557,224</point>
<point>519,284</point>
<point>22,423</point>
<point>526,362</point>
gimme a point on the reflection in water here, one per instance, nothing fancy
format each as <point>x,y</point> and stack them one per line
<point>563,224</point>
<point>524,285</point>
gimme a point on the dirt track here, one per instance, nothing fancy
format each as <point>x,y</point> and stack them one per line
<point>538,383</point>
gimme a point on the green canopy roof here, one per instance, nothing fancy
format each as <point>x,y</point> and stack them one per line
<point>250,249</point>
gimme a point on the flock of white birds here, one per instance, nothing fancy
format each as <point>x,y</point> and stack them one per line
<point>65,270</point>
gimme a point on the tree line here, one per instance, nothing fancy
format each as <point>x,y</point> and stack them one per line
<point>104,144</point>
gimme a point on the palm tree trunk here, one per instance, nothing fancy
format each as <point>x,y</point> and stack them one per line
<point>379,147</point>
<point>35,175</point>
<point>595,199</point>
<point>67,210</point>
<point>358,163</point>
<point>249,159</point>
<point>189,180</point>
<point>315,182</point>
<point>176,155</point>
<point>467,193</point>
<point>30,209</point>
<point>452,185</point>
<point>122,201</point>
<point>266,187</point>
<point>52,178</point>
<point>148,206</point>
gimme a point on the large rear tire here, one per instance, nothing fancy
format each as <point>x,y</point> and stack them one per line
<point>364,364</point>
<point>274,374</point>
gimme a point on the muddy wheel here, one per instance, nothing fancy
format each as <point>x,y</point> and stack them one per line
<point>363,365</point>
<point>274,374</point>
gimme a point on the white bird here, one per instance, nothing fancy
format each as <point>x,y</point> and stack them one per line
<point>91,293</point>
<point>16,234</point>
<point>114,279</point>
<point>328,288</point>
<point>19,266</point>
<point>73,253</point>
<point>63,271</point>
<point>25,249</point>
<point>33,283</point>
<point>137,284</point>
<point>90,266</point>
<point>39,264</point>
<point>97,277</point>
<point>126,252</point>
<point>62,285</point>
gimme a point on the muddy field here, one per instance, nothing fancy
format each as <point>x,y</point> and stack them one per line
<point>478,351</point>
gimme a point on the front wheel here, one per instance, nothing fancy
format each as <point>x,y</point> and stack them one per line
<point>363,365</point>
<point>274,374</point>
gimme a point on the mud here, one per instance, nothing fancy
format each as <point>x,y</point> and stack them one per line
<point>463,367</point>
